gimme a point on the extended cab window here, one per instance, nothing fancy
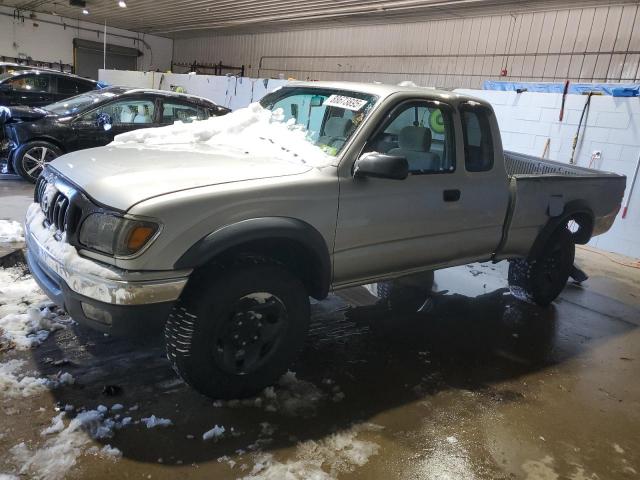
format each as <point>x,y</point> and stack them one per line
<point>421,132</point>
<point>478,143</point>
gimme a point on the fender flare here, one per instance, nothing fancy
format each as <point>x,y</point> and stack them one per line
<point>264,228</point>
<point>571,209</point>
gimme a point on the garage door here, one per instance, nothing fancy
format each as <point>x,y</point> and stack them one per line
<point>88,57</point>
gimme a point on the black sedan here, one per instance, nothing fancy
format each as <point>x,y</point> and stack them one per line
<point>35,136</point>
<point>39,87</point>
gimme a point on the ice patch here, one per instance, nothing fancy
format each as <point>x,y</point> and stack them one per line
<point>11,231</point>
<point>215,433</point>
<point>153,421</point>
<point>254,130</point>
<point>14,384</point>
<point>336,454</point>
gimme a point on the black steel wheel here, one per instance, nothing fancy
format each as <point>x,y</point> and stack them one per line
<point>540,280</point>
<point>235,331</point>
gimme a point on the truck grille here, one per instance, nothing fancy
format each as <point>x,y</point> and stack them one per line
<point>54,205</point>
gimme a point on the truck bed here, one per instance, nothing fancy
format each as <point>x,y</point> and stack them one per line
<point>540,189</point>
<point>519,164</point>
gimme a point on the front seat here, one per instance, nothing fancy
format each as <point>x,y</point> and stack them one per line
<point>142,116</point>
<point>335,131</point>
<point>414,144</point>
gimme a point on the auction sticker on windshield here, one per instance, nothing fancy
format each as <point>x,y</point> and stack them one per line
<point>348,103</point>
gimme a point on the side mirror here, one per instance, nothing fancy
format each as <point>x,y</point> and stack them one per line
<point>104,121</point>
<point>381,165</point>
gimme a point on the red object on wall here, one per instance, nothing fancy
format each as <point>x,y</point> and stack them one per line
<point>503,72</point>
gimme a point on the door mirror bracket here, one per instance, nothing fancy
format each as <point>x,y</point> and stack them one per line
<point>381,165</point>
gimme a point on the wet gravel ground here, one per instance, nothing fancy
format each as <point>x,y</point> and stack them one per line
<point>482,386</point>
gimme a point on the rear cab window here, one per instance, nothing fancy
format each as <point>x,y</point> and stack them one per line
<point>478,140</point>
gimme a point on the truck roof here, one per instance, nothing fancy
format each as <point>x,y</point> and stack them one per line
<point>384,90</point>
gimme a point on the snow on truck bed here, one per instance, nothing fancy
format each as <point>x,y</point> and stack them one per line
<point>255,129</point>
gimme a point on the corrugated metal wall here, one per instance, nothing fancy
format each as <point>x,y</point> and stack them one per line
<point>587,44</point>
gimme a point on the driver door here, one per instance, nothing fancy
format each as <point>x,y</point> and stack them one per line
<point>125,115</point>
<point>390,226</point>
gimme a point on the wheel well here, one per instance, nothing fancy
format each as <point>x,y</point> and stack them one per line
<point>293,255</point>
<point>580,224</point>
<point>48,140</point>
<point>578,221</point>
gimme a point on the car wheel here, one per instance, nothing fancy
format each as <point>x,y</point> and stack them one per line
<point>540,280</point>
<point>30,159</point>
<point>236,331</point>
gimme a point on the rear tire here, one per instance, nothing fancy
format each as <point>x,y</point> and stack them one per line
<point>30,159</point>
<point>540,280</point>
<point>236,331</point>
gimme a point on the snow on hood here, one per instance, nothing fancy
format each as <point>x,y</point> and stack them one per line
<point>249,144</point>
<point>256,130</point>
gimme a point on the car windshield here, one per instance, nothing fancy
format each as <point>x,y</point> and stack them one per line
<point>330,116</point>
<point>80,103</point>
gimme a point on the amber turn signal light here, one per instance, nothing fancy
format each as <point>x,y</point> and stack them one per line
<point>138,237</point>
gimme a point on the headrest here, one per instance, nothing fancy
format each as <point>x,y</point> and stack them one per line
<point>336,127</point>
<point>141,110</point>
<point>416,139</point>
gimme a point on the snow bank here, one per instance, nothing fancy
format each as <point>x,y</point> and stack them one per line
<point>11,231</point>
<point>54,459</point>
<point>26,314</point>
<point>256,130</point>
<point>339,453</point>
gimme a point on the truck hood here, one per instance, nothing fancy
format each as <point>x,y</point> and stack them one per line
<point>120,176</point>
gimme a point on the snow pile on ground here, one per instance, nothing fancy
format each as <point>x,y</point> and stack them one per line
<point>14,384</point>
<point>26,314</point>
<point>254,129</point>
<point>11,231</point>
<point>339,453</point>
<point>215,433</point>
<point>59,453</point>
<point>290,396</point>
<point>153,422</point>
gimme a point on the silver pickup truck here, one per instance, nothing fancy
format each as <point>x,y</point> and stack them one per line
<point>221,230</point>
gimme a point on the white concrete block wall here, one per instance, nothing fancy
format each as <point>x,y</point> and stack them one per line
<point>527,120</point>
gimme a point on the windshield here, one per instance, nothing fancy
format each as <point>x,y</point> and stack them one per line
<point>330,116</point>
<point>80,103</point>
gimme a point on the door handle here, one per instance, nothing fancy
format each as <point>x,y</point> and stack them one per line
<point>451,195</point>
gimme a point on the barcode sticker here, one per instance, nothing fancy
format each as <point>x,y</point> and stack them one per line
<point>348,103</point>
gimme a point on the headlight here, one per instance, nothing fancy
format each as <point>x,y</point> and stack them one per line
<point>115,235</point>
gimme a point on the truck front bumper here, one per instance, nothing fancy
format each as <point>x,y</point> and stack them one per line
<point>132,304</point>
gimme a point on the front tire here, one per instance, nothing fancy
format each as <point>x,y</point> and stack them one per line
<point>540,280</point>
<point>30,159</point>
<point>236,331</point>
